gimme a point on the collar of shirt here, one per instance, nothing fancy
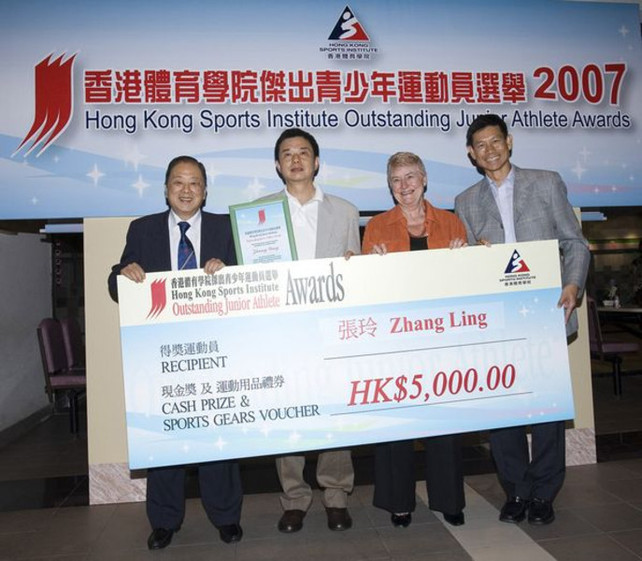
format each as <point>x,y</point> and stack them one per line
<point>509,181</point>
<point>193,233</point>
<point>503,195</point>
<point>397,215</point>
<point>316,198</point>
<point>305,218</point>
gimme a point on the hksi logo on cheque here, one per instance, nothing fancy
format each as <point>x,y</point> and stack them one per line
<point>517,271</point>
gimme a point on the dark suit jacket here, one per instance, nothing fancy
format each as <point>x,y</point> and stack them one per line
<point>148,244</point>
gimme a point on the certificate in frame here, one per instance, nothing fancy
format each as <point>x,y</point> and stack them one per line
<point>263,232</point>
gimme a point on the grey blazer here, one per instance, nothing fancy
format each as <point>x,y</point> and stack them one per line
<point>541,212</point>
<point>337,227</point>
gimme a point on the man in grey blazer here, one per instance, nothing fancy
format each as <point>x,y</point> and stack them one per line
<point>515,205</point>
<point>324,226</point>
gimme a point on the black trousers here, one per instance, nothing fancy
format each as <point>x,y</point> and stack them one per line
<point>540,476</point>
<point>395,475</point>
<point>221,494</point>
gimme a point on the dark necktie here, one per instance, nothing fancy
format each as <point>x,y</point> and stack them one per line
<point>186,257</point>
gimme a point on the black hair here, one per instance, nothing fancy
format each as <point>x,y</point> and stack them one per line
<point>185,160</point>
<point>295,133</point>
<point>483,121</point>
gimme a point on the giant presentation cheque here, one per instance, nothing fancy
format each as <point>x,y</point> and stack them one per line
<point>285,357</point>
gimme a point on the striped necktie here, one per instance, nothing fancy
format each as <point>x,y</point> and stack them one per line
<point>186,257</point>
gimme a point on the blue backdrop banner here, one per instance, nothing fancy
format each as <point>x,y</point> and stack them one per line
<point>97,98</point>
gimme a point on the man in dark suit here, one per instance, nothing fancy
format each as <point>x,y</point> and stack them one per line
<point>516,205</point>
<point>172,240</point>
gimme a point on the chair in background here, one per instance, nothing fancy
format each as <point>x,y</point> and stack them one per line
<point>74,346</point>
<point>611,350</point>
<point>58,375</point>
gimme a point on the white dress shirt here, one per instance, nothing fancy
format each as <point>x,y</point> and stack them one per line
<point>305,218</point>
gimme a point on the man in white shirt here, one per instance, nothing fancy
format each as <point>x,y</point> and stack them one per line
<point>324,226</point>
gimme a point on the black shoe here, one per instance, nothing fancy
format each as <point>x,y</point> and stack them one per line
<point>540,512</point>
<point>401,520</point>
<point>455,519</point>
<point>514,510</point>
<point>338,519</point>
<point>160,538</point>
<point>291,521</point>
<point>230,533</point>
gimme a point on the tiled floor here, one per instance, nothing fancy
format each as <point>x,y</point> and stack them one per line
<point>599,517</point>
<point>599,511</point>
